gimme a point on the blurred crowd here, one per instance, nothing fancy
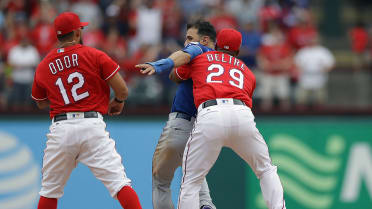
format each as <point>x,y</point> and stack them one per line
<point>281,44</point>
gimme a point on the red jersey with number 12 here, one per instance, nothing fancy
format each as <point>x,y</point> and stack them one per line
<point>74,79</point>
<point>219,75</point>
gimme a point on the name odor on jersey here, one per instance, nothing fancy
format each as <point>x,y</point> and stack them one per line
<point>66,62</point>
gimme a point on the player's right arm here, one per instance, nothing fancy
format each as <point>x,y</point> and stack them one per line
<point>109,71</point>
<point>120,89</point>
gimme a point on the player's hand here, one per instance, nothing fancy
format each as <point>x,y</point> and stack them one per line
<point>146,69</point>
<point>115,108</point>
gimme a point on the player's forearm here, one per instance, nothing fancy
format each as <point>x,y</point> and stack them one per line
<point>117,84</point>
<point>180,58</point>
<point>122,93</point>
<point>42,104</point>
<point>176,59</point>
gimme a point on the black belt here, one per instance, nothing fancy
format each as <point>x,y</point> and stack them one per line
<point>90,114</point>
<point>212,102</point>
<point>183,116</point>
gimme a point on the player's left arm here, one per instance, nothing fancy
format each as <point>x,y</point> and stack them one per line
<point>175,60</point>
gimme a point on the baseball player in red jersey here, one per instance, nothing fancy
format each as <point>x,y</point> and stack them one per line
<point>223,88</point>
<point>74,81</point>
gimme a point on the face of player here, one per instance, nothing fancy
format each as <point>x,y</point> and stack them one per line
<point>192,36</point>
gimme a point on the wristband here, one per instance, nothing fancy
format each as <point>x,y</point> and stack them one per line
<point>162,65</point>
<point>118,101</point>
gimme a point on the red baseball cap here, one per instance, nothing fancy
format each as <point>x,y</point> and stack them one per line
<point>66,22</point>
<point>229,39</point>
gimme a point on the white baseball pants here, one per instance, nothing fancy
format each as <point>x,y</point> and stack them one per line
<point>226,124</point>
<point>82,140</point>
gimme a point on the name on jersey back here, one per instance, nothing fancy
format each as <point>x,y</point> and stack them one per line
<point>228,59</point>
<point>66,62</point>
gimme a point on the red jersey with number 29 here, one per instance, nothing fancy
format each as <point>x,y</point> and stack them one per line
<point>74,79</point>
<point>219,75</point>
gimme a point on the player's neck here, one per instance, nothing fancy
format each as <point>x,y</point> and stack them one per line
<point>66,44</point>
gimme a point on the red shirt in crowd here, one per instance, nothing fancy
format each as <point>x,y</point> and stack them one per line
<point>74,79</point>
<point>44,37</point>
<point>275,54</point>
<point>224,21</point>
<point>268,14</point>
<point>219,75</point>
<point>359,39</point>
<point>300,36</point>
<point>94,38</point>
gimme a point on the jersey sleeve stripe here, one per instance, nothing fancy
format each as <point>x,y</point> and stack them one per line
<point>38,98</point>
<point>200,49</point>
<point>113,73</point>
<point>178,75</point>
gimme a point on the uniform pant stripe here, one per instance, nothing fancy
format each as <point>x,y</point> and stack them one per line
<point>184,173</point>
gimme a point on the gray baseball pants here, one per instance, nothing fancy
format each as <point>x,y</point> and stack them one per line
<point>168,157</point>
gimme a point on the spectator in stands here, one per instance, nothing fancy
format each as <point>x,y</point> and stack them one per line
<point>269,12</point>
<point>191,7</point>
<point>88,11</point>
<point>149,25</point>
<point>94,37</point>
<point>359,45</point>
<point>275,60</point>
<point>314,63</point>
<point>220,18</point>
<point>172,19</point>
<point>251,42</point>
<point>43,33</point>
<point>245,10</point>
<point>2,84</point>
<point>115,45</point>
<point>23,59</point>
<point>11,38</point>
<point>303,32</point>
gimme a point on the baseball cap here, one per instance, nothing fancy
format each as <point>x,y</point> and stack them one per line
<point>229,39</point>
<point>66,22</point>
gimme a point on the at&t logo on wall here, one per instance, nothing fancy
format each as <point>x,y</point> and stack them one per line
<point>19,175</point>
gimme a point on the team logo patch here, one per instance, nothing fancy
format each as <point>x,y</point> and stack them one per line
<point>60,50</point>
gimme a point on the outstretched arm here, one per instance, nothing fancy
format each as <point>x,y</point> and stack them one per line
<point>176,59</point>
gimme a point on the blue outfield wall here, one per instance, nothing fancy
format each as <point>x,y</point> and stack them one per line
<point>21,150</point>
<point>316,142</point>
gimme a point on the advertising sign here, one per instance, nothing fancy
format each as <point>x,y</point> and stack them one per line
<point>21,151</point>
<point>322,164</point>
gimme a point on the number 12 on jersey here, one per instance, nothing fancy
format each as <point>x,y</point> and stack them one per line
<point>235,74</point>
<point>74,88</point>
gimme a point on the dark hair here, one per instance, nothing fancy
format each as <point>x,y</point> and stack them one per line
<point>204,28</point>
<point>65,37</point>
